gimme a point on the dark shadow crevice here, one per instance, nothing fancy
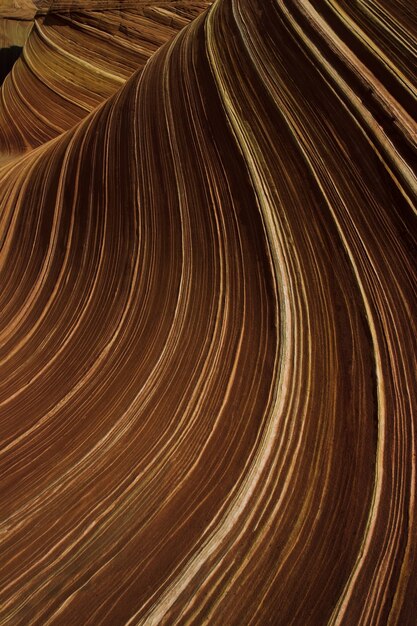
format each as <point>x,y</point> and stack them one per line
<point>8,57</point>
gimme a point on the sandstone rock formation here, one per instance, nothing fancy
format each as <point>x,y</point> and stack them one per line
<point>75,60</point>
<point>18,9</point>
<point>208,315</point>
<point>14,32</point>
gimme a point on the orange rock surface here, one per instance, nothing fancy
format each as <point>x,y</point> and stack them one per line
<point>208,346</point>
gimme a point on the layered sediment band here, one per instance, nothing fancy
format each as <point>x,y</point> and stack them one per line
<point>208,304</point>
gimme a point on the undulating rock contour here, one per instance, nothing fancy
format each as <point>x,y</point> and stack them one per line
<point>208,315</point>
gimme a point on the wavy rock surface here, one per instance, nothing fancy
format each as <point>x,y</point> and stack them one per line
<point>74,60</point>
<point>208,305</point>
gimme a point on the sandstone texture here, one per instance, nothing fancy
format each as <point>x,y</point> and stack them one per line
<point>208,298</point>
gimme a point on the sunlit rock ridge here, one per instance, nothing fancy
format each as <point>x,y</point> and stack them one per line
<point>208,314</point>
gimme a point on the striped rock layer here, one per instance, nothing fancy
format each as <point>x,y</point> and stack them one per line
<point>74,60</point>
<point>208,316</point>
